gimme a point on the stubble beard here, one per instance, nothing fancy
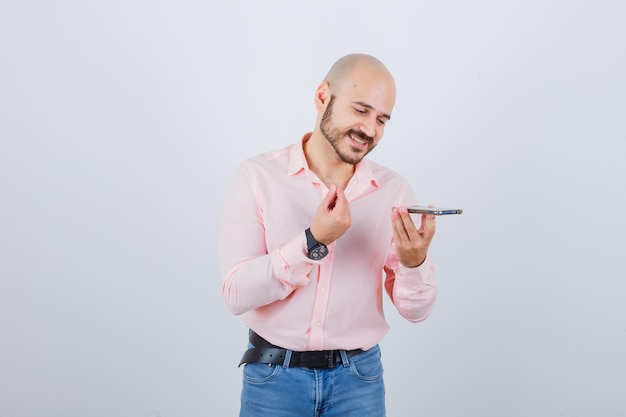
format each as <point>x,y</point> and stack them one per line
<point>334,136</point>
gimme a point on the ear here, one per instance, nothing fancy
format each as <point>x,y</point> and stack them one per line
<point>322,96</point>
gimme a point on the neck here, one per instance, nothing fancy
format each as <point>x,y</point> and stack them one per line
<point>325,163</point>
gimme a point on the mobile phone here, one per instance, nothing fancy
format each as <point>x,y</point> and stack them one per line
<point>437,211</point>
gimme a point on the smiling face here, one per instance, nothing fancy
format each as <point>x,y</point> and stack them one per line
<point>360,104</point>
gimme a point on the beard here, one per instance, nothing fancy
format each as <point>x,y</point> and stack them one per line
<point>334,136</point>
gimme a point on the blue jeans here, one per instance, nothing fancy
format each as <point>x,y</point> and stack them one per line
<point>354,388</point>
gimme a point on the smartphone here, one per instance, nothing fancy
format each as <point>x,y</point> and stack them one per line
<point>437,211</point>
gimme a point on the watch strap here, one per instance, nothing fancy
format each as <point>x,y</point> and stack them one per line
<point>315,249</point>
<point>310,240</point>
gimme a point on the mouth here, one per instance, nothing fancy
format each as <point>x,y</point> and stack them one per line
<point>358,140</point>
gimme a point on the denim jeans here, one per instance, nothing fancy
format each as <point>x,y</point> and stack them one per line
<point>354,388</point>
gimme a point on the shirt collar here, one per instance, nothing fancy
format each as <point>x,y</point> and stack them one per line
<point>363,173</point>
<point>297,160</point>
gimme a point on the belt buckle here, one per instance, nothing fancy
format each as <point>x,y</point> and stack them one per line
<point>323,359</point>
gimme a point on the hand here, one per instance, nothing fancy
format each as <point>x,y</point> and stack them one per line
<point>332,218</point>
<point>411,243</point>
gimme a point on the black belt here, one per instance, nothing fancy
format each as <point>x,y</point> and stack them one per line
<point>265,352</point>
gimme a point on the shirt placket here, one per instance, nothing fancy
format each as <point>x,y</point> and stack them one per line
<point>318,325</point>
<point>320,306</point>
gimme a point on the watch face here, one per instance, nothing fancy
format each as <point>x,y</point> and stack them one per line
<point>318,252</point>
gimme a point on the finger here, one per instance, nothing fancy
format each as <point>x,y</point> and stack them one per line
<point>341,197</point>
<point>428,220</point>
<point>340,193</point>
<point>408,224</point>
<point>331,197</point>
<point>399,229</point>
<point>427,228</point>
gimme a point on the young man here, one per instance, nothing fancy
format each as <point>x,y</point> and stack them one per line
<point>307,234</point>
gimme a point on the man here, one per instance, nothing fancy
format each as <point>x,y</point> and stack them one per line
<point>307,233</point>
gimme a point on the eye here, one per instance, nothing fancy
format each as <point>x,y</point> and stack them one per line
<point>382,121</point>
<point>360,111</point>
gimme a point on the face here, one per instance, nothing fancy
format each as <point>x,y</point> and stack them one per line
<point>354,123</point>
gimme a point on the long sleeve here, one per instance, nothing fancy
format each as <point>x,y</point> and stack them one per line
<point>412,290</point>
<point>252,275</point>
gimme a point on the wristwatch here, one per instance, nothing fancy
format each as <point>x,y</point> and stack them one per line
<point>316,250</point>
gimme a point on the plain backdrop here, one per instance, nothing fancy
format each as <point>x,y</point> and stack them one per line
<point>122,121</point>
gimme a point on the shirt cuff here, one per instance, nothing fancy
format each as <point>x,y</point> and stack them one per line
<point>297,265</point>
<point>422,274</point>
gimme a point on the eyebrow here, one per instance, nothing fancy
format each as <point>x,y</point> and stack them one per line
<point>369,106</point>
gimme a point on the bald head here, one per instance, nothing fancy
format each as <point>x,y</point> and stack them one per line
<point>346,69</point>
<point>354,103</point>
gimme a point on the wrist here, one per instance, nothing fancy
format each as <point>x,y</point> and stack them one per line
<point>417,264</point>
<point>315,250</point>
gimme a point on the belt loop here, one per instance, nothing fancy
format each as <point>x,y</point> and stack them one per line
<point>344,358</point>
<point>287,358</point>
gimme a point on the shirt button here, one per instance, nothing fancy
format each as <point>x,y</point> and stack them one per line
<point>317,323</point>
<point>323,288</point>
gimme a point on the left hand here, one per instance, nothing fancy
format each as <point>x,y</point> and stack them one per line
<point>411,243</point>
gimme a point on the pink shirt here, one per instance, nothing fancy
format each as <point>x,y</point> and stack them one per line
<point>334,303</point>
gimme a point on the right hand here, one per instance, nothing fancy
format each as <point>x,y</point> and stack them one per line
<point>332,218</point>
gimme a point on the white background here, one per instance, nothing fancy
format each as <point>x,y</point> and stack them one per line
<point>121,122</point>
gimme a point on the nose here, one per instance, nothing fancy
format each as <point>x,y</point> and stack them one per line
<point>368,127</point>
